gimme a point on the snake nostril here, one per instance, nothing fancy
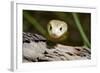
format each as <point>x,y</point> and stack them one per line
<point>54,34</point>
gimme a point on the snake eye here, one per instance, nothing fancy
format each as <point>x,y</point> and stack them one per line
<point>50,27</point>
<point>60,28</point>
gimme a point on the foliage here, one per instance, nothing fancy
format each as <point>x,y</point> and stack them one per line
<point>78,24</point>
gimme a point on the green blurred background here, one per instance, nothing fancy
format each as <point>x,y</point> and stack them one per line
<point>43,17</point>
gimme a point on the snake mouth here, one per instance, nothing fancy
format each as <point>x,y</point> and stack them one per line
<point>54,36</point>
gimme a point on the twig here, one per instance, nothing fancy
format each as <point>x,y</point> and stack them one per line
<point>78,24</point>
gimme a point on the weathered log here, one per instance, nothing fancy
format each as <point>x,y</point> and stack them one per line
<point>35,49</point>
